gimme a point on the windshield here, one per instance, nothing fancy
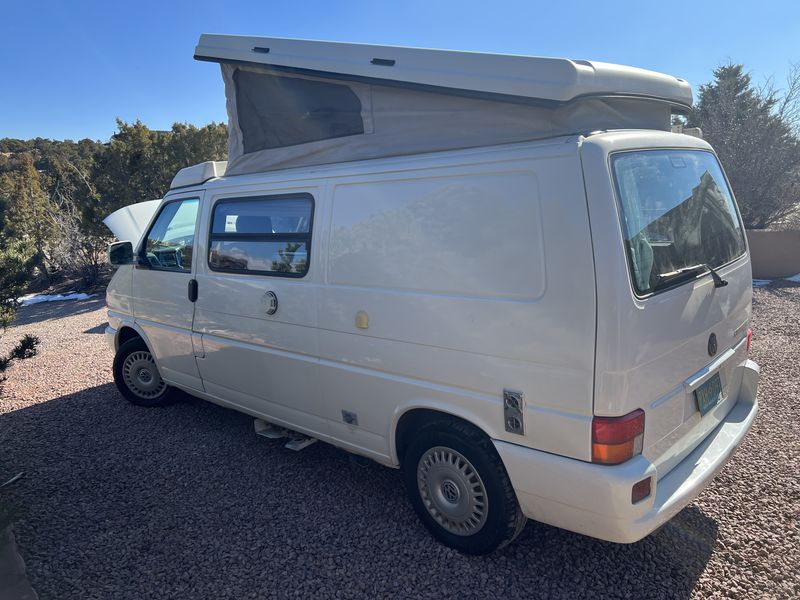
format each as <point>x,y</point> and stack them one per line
<point>677,213</point>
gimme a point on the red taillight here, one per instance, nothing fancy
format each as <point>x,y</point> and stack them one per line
<point>617,439</point>
<point>749,338</point>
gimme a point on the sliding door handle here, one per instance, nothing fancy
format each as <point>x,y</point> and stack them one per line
<point>192,290</point>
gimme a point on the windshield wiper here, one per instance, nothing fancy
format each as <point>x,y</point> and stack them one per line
<point>672,276</point>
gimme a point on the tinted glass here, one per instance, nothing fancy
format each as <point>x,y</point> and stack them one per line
<point>263,216</point>
<point>272,256</point>
<point>170,242</point>
<point>270,236</point>
<point>275,111</point>
<point>677,213</point>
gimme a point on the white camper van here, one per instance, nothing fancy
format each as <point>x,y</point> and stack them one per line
<point>501,274</point>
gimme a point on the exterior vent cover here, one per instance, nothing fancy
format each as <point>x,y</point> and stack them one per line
<point>513,403</point>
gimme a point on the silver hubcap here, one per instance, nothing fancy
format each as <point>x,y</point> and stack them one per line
<point>452,491</point>
<point>141,375</point>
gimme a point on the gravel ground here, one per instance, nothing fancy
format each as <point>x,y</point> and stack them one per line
<point>186,502</point>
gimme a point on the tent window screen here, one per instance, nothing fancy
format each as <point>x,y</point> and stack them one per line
<point>277,111</point>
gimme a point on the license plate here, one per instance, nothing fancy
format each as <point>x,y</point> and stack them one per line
<point>709,394</point>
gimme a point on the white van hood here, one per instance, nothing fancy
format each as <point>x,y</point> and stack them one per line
<point>128,223</point>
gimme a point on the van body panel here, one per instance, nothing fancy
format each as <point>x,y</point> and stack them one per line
<point>311,359</point>
<point>656,348</point>
<point>676,437</point>
<point>119,296</point>
<point>380,398</point>
<point>278,415</point>
<point>438,233</point>
<point>164,312</point>
<point>265,361</point>
<point>460,333</point>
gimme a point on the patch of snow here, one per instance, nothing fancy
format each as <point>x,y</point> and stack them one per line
<point>763,282</point>
<point>38,298</point>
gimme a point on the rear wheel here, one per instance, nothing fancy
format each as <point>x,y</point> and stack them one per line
<point>459,488</point>
<point>137,376</point>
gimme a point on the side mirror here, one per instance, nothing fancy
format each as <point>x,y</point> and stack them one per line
<point>120,253</point>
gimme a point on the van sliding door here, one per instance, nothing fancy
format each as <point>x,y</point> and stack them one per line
<point>257,307</point>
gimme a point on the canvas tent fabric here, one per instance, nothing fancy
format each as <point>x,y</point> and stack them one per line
<point>279,120</point>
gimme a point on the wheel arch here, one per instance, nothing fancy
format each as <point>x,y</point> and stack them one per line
<point>128,331</point>
<point>413,418</point>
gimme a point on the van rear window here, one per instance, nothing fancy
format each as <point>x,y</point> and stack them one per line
<point>677,214</point>
<point>263,235</point>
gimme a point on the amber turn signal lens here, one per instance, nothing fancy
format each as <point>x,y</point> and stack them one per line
<point>612,454</point>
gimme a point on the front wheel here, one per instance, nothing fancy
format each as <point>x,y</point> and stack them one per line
<point>460,489</point>
<point>137,376</point>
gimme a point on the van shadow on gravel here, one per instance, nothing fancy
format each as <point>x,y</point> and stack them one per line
<point>97,328</point>
<point>46,311</point>
<point>185,501</point>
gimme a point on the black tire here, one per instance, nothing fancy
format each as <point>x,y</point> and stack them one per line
<point>500,520</point>
<point>136,388</point>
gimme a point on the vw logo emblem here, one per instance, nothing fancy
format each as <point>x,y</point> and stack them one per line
<point>712,344</point>
<point>450,491</point>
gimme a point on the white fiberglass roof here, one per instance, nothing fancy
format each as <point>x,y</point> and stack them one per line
<point>557,80</point>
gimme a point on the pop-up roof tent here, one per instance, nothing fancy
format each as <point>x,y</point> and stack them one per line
<point>298,103</point>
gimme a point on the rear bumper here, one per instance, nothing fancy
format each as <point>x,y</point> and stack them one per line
<point>595,500</point>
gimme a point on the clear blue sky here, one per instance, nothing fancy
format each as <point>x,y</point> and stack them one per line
<point>69,68</point>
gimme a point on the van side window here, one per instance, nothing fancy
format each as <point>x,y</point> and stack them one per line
<point>170,241</point>
<point>264,235</point>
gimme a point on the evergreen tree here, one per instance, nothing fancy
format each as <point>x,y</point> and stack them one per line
<point>139,163</point>
<point>755,142</point>
<point>27,213</point>
<point>16,261</point>
<point>55,194</point>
